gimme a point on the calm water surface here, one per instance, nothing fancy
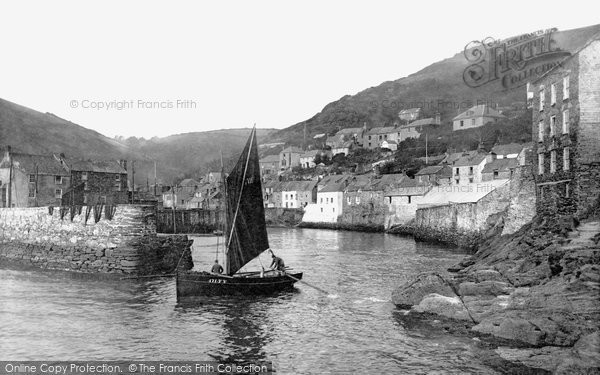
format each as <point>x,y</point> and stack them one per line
<point>354,328</point>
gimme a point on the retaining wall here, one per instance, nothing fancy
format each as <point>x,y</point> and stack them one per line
<point>117,239</point>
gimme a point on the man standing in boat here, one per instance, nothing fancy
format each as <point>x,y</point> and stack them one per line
<point>216,268</point>
<point>277,263</point>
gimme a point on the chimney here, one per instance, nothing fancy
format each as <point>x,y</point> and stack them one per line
<point>7,153</point>
<point>438,119</point>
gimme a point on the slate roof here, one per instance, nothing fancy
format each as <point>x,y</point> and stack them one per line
<point>382,130</point>
<point>511,148</point>
<point>333,183</point>
<point>481,110</point>
<point>421,122</point>
<point>46,165</point>
<point>297,185</point>
<point>350,131</point>
<point>98,166</point>
<point>439,170</point>
<point>472,158</point>
<point>500,165</point>
<point>473,192</point>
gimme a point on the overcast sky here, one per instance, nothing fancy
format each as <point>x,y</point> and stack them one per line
<point>235,63</point>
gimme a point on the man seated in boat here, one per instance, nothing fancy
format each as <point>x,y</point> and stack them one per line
<point>216,268</point>
<point>277,263</point>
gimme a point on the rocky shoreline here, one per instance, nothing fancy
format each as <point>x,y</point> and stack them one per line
<point>534,296</point>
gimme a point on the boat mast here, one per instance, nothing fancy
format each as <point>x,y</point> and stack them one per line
<point>224,210</point>
<point>237,208</point>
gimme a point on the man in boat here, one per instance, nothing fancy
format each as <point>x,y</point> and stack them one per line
<point>277,263</point>
<point>216,268</point>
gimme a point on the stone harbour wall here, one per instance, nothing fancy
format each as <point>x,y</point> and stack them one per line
<point>110,239</point>
<point>283,217</point>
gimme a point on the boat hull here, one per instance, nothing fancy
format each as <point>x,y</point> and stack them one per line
<point>206,284</point>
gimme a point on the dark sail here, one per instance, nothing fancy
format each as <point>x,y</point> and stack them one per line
<point>246,228</point>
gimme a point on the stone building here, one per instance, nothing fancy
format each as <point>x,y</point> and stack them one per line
<point>290,157</point>
<point>32,180</point>
<point>96,181</point>
<point>402,201</point>
<point>269,165</point>
<point>566,128</point>
<point>435,175</point>
<point>467,169</point>
<point>418,127</point>
<point>499,169</point>
<point>364,200</point>
<point>475,117</point>
<point>298,194</point>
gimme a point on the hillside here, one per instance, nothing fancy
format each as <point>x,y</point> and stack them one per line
<point>177,156</point>
<point>436,88</point>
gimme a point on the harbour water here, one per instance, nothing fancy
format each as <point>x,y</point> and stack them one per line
<point>354,327</point>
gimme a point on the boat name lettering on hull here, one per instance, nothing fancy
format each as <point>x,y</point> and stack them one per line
<point>217,281</point>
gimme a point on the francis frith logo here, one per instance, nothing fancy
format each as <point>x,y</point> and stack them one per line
<point>512,62</point>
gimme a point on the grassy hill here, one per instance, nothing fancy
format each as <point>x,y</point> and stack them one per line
<point>176,156</point>
<point>437,88</point>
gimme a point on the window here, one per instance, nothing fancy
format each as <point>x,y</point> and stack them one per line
<point>348,200</point>
<point>540,163</point>
<point>58,193</point>
<point>470,170</point>
<point>495,174</point>
<point>409,200</point>
<point>553,161</point>
<point>457,170</point>
<point>369,140</point>
<point>85,198</point>
<point>565,122</point>
<point>31,178</point>
<point>566,88</point>
<point>473,122</point>
<point>566,159</point>
<point>471,180</point>
<point>118,177</point>
<point>541,131</point>
<point>286,196</point>
<point>357,199</point>
<point>58,180</point>
<point>321,209</point>
<point>31,192</point>
<point>553,94</point>
<point>542,98</point>
<point>552,125</point>
<point>333,209</point>
<point>85,186</point>
<point>321,200</point>
<point>84,176</point>
<point>567,192</point>
<point>462,123</point>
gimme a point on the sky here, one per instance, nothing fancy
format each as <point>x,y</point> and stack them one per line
<point>150,68</point>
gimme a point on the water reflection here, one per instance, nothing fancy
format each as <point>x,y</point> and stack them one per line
<point>353,327</point>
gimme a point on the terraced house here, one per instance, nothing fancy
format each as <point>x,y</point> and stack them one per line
<point>566,128</point>
<point>96,182</point>
<point>32,180</point>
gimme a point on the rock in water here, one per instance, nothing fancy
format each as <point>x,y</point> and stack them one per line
<point>412,293</point>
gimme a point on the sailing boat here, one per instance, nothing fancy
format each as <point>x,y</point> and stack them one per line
<point>245,238</point>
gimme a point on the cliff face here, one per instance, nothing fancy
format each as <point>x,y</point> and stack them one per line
<point>539,287</point>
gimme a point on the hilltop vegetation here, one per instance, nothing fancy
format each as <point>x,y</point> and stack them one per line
<point>436,88</point>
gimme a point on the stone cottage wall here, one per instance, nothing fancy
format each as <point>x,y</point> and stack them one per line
<point>62,238</point>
